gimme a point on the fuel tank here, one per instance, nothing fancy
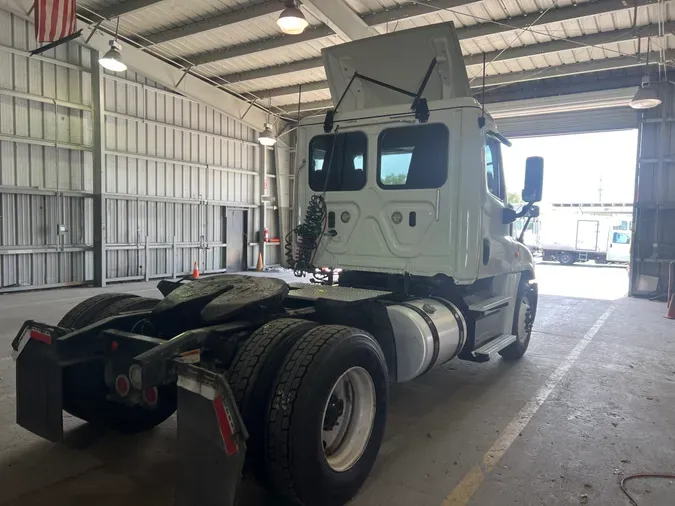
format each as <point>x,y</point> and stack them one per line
<point>428,332</point>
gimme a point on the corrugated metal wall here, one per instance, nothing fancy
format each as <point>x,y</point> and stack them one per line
<point>654,218</point>
<point>45,161</point>
<point>172,168</point>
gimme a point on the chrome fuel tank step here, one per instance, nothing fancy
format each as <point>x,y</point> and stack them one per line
<point>484,353</point>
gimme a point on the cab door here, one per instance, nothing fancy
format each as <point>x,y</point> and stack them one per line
<point>618,249</point>
<point>498,246</point>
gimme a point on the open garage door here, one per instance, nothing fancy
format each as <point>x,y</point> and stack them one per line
<point>574,122</point>
<point>566,114</point>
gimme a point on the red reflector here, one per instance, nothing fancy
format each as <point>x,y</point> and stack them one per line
<point>41,336</point>
<point>114,345</point>
<point>122,385</point>
<point>150,396</point>
<point>225,425</point>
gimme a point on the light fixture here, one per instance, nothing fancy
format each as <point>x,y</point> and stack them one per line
<point>267,137</point>
<point>645,97</point>
<point>291,20</point>
<point>112,60</point>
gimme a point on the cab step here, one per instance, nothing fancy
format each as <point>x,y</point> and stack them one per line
<point>484,353</point>
<point>490,304</point>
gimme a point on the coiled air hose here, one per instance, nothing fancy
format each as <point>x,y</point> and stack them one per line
<point>309,233</point>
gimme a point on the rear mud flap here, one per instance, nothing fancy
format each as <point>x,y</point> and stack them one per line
<point>211,440</point>
<point>39,390</point>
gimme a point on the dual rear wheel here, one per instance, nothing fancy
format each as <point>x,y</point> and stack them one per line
<point>316,427</point>
<point>313,399</point>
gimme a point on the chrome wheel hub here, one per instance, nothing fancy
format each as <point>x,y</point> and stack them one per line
<point>348,418</point>
<point>525,320</point>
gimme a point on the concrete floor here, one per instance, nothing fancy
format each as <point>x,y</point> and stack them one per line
<point>583,420</point>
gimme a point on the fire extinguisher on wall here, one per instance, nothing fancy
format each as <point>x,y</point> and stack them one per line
<point>266,235</point>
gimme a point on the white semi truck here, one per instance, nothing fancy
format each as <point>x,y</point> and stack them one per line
<point>402,187</point>
<point>570,238</point>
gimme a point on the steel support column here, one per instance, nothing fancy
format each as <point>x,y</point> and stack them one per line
<point>282,161</point>
<point>653,245</point>
<point>98,123</point>
<point>262,154</point>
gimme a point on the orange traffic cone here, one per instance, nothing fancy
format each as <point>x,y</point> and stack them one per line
<point>260,266</point>
<point>195,271</point>
<point>670,314</point>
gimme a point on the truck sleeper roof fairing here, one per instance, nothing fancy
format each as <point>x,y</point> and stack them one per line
<point>399,59</point>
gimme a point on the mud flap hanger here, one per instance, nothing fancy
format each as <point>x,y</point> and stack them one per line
<point>419,105</point>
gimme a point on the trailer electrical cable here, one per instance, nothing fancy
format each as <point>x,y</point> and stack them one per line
<point>637,476</point>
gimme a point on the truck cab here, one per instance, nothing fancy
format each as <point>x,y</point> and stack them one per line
<point>409,200</point>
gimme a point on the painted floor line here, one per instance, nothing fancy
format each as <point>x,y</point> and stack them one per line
<point>465,489</point>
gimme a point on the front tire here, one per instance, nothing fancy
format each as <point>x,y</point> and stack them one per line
<point>327,416</point>
<point>523,319</point>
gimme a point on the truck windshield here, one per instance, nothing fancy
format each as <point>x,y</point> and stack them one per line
<point>337,162</point>
<point>413,157</point>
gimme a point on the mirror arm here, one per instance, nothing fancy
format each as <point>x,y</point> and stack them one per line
<point>522,232</point>
<point>526,209</point>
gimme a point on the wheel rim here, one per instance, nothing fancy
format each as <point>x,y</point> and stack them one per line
<point>348,419</point>
<point>524,320</point>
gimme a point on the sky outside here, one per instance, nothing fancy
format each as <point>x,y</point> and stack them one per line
<point>575,164</point>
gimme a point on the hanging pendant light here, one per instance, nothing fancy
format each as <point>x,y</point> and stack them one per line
<point>112,60</point>
<point>645,97</point>
<point>291,20</point>
<point>267,137</point>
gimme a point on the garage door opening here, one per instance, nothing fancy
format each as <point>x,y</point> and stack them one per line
<point>582,238</point>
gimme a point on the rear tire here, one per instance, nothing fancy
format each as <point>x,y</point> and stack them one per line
<point>85,312</point>
<point>84,389</point>
<point>252,376</point>
<point>566,258</point>
<point>311,464</point>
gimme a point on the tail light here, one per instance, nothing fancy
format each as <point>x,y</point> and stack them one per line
<point>122,385</point>
<point>150,396</point>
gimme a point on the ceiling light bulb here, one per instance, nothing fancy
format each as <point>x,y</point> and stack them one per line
<point>267,137</point>
<point>112,60</point>
<point>291,20</point>
<point>645,97</point>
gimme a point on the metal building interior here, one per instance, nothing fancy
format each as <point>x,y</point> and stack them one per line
<point>133,176</point>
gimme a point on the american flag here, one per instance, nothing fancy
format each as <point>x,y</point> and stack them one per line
<point>54,19</point>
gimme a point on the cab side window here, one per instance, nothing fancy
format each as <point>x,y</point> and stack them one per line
<point>493,168</point>
<point>620,238</point>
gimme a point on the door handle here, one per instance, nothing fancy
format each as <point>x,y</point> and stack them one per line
<point>486,251</point>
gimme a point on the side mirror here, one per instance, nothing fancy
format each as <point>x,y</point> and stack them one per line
<point>534,179</point>
<point>534,212</point>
